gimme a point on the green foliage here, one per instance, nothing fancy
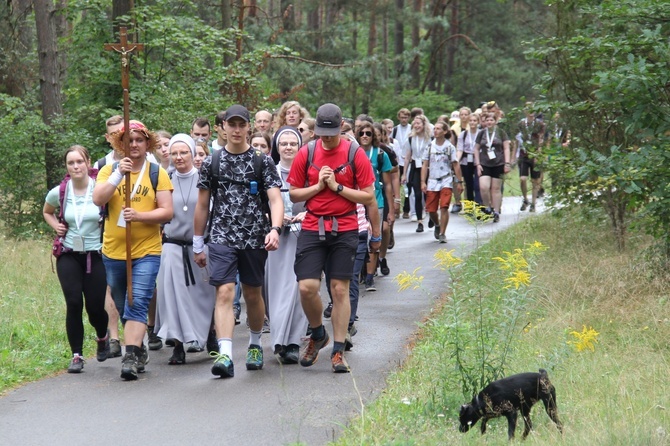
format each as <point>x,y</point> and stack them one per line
<point>608,76</point>
<point>433,104</point>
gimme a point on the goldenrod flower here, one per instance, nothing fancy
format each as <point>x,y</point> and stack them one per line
<point>520,277</point>
<point>445,259</point>
<point>473,211</point>
<point>535,248</point>
<point>586,339</point>
<point>512,261</point>
<point>406,280</point>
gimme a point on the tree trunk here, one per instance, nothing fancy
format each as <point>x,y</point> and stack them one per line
<point>288,14</point>
<point>50,81</point>
<point>454,28</point>
<point>414,68</point>
<point>227,23</point>
<point>120,8</point>
<point>385,41</point>
<point>314,26</point>
<point>399,43</point>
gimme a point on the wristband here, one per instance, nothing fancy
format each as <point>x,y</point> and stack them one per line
<point>198,244</point>
<point>396,200</point>
<point>374,239</point>
<point>115,178</point>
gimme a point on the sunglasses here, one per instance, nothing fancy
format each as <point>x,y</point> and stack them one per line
<point>365,133</point>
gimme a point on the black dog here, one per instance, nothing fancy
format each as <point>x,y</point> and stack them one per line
<point>509,395</point>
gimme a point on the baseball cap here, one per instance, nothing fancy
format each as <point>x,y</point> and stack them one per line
<point>328,120</point>
<point>237,111</point>
<point>455,116</point>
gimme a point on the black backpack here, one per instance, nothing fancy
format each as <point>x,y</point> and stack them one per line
<point>353,148</point>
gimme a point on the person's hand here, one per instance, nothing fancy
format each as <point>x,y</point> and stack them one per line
<point>480,170</point>
<point>130,214</point>
<point>200,259</point>
<point>61,230</point>
<point>272,241</point>
<point>125,165</point>
<point>459,186</point>
<point>423,187</point>
<point>300,217</point>
<point>507,168</point>
<point>403,179</point>
<point>287,219</point>
<point>374,246</point>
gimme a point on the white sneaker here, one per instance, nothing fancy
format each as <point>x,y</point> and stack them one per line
<point>413,218</point>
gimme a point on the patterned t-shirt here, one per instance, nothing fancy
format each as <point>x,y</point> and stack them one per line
<point>440,159</point>
<point>239,221</point>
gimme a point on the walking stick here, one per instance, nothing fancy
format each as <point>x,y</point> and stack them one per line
<point>125,48</point>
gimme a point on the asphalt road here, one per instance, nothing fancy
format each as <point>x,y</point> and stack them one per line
<point>177,405</point>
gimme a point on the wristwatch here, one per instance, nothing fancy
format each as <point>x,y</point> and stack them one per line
<point>276,228</point>
<point>339,189</point>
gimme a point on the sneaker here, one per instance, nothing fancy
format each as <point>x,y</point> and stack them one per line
<point>339,363</point>
<point>496,217</point>
<point>237,311</point>
<point>405,215</point>
<point>384,267</point>
<point>328,311</point>
<point>413,219</point>
<point>178,355</point>
<point>524,205</point>
<point>352,330</point>
<point>223,365</point>
<point>76,364</point>
<point>443,238</point>
<point>254,357</point>
<point>455,209</point>
<point>212,343</point>
<point>311,352</point>
<point>193,347</point>
<point>436,232</point>
<point>419,228</point>
<point>155,343</point>
<point>142,358</point>
<point>291,354</point>
<point>129,367</point>
<point>266,326</point>
<point>370,285</point>
<point>114,348</point>
<point>430,223</point>
<point>532,208</point>
<point>348,344</point>
<point>102,352</point>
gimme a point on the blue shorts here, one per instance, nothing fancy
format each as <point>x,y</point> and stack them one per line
<point>145,270</point>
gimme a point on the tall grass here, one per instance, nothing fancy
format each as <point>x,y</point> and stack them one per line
<point>617,394</point>
<point>33,342</point>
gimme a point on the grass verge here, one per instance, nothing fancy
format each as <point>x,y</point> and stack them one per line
<point>617,394</point>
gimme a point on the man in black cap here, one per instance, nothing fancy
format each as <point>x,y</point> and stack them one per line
<point>331,183</point>
<point>239,234</point>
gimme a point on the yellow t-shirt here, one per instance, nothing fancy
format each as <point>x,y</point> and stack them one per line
<point>145,238</point>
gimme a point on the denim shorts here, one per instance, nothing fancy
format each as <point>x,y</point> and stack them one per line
<point>145,270</point>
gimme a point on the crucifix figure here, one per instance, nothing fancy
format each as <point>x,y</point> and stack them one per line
<point>126,48</point>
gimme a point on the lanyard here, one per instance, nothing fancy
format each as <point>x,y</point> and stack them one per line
<point>139,180</point>
<point>79,217</point>
<point>471,139</point>
<point>490,140</point>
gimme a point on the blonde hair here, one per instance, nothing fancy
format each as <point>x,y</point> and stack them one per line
<point>281,114</point>
<point>426,127</point>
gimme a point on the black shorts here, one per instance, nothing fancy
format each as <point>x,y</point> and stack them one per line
<point>493,172</point>
<point>527,165</point>
<point>225,262</point>
<point>335,253</point>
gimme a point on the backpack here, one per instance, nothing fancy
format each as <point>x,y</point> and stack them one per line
<point>214,171</point>
<point>101,162</point>
<point>311,147</point>
<point>154,170</point>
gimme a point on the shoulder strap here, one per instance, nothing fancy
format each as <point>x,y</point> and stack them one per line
<point>258,168</point>
<point>394,132</point>
<point>62,194</point>
<point>101,162</point>
<point>353,148</point>
<point>311,146</point>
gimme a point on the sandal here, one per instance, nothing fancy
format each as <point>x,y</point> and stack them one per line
<point>178,355</point>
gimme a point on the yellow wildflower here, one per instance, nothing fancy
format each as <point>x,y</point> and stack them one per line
<point>473,211</point>
<point>586,339</point>
<point>445,259</point>
<point>512,261</point>
<point>520,277</point>
<point>407,280</point>
<point>535,248</point>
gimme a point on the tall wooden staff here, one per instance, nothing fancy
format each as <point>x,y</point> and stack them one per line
<point>125,48</point>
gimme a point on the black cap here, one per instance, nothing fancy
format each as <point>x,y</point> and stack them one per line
<point>328,120</point>
<point>238,111</point>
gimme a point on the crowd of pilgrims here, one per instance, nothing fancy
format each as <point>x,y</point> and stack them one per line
<point>421,169</point>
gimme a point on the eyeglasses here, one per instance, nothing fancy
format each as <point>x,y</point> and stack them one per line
<point>183,154</point>
<point>302,129</point>
<point>365,133</point>
<point>287,144</point>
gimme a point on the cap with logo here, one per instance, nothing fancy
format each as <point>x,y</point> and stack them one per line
<point>455,116</point>
<point>328,120</point>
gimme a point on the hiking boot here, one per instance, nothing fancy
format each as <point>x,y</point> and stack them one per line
<point>442,238</point>
<point>419,228</point>
<point>194,347</point>
<point>223,365</point>
<point>370,285</point>
<point>254,357</point>
<point>328,311</point>
<point>142,358</point>
<point>339,363</point>
<point>114,348</point>
<point>532,208</point>
<point>129,367</point>
<point>212,343</point>
<point>102,352</point>
<point>524,205</point>
<point>436,232</point>
<point>236,312</point>
<point>348,344</point>
<point>384,267</point>
<point>76,364</point>
<point>155,343</point>
<point>311,352</point>
<point>455,209</point>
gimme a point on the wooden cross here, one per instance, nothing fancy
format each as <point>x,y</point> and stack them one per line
<point>125,48</point>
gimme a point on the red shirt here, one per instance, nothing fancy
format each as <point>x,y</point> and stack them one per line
<point>328,202</point>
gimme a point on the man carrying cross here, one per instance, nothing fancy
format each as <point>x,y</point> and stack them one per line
<point>151,205</point>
